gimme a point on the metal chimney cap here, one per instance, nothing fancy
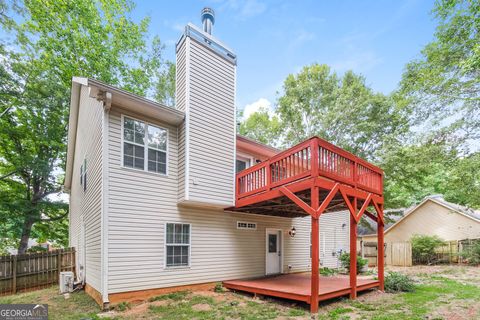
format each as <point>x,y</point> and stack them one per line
<point>208,13</point>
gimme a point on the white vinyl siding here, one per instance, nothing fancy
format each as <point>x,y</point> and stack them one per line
<point>85,197</point>
<point>334,237</point>
<point>207,94</point>
<point>180,101</point>
<point>142,203</point>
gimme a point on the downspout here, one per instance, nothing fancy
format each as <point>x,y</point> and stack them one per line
<point>106,98</point>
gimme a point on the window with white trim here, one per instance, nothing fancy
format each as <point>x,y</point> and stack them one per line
<point>144,146</point>
<point>177,244</point>
<point>246,225</point>
<point>83,174</point>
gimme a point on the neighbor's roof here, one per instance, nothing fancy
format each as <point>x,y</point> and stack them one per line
<point>438,199</point>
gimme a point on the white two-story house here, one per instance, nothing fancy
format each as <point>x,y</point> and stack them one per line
<point>150,186</point>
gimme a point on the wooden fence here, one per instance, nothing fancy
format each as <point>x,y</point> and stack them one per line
<point>396,253</point>
<point>32,271</point>
<point>400,253</point>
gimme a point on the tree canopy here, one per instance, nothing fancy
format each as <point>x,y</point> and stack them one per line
<point>52,42</point>
<point>425,135</point>
<point>443,84</point>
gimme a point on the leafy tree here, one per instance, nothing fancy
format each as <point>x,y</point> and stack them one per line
<point>463,185</point>
<point>262,127</point>
<point>53,41</point>
<point>343,110</point>
<point>165,91</point>
<point>444,83</point>
<point>415,171</point>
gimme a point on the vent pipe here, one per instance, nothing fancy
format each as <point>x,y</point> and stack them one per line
<point>208,19</point>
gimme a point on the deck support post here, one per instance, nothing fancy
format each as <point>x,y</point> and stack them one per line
<point>315,233</point>
<point>353,252</point>
<point>381,249</point>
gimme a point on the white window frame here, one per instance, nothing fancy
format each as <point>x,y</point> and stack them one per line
<point>248,159</point>
<point>84,175</point>
<point>177,244</point>
<point>247,223</point>
<point>145,146</point>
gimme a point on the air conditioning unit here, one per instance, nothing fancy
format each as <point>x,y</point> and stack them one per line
<point>66,281</point>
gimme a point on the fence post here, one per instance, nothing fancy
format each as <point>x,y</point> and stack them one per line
<point>14,275</point>
<point>59,264</point>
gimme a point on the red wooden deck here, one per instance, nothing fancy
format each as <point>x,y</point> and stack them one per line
<point>312,178</point>
<point>297,286</point>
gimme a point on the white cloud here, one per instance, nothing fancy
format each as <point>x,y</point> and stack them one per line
<point>253,107</point>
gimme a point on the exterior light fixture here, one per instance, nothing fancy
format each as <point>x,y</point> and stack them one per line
<point>292,232</point>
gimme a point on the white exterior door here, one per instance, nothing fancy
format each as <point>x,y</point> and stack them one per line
<point>274,251</point>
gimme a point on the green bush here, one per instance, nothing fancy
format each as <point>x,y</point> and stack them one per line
<point>345,261</point>
<point>219,288</point>
<point>327,272</point>
<point>122,306</point>
<point>472,254</point>
<point>398,282</point>
<point>36,249</point>
<point>423,248</point>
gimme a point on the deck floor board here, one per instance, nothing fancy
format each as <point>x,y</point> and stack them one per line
<point>297,286</point>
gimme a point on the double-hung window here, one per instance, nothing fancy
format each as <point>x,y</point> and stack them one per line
<point>178,245</point>
<point>144,146</point>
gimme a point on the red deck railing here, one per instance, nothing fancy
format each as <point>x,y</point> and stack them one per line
<point>311,158</point>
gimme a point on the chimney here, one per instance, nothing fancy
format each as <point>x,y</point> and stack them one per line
<point>205,91</point>
<point>208,19</point>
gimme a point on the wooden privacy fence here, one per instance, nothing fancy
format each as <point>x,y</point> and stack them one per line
<point>29,271</point>
<point>400,253</point>
<point>396,253</point>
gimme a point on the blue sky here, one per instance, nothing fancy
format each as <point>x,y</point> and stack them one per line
<point>275,38</point>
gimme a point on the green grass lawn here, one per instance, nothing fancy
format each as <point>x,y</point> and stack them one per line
<point>436,296</point>
<point>79,306</point>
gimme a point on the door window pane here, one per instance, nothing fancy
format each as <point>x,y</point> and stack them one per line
<point>241,165</point>
<point>272,243</point>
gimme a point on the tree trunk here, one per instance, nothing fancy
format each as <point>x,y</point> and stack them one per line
<point>26,230</point>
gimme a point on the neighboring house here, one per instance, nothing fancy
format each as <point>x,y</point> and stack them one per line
<point>149,184</point>
<point>433,216</point>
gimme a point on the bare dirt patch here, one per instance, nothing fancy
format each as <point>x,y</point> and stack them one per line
<point>201,307</point>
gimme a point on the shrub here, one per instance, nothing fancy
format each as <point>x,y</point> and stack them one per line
<point>325,271</point>
<point>122,306</point>
<point>345,261</point>
<point>398,282</point>
<point>472,254</point>
<point>36,249</point>
<point>219,288</point>
<point>423,248</point>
